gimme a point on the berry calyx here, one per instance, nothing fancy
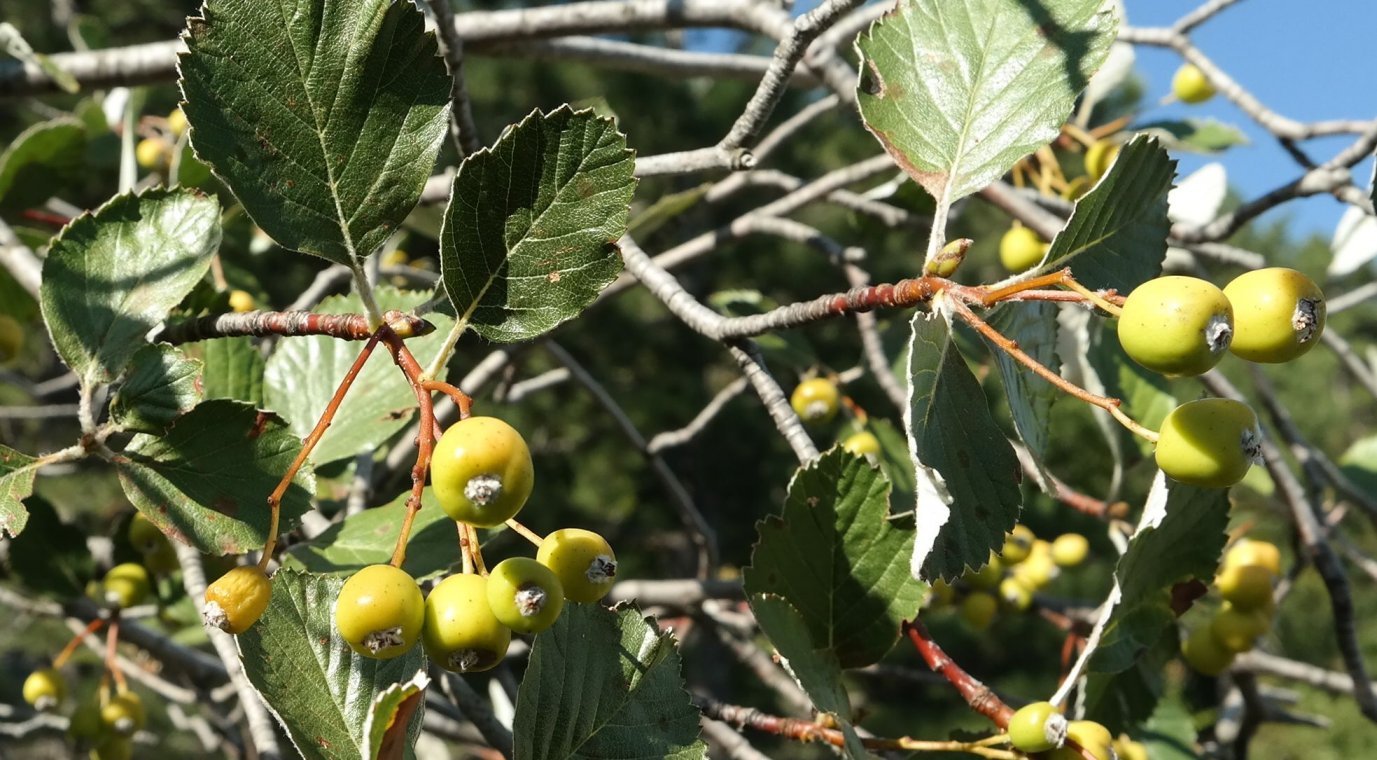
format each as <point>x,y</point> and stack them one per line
<point>1247,587</point>
<point>1205,654</point>
<point>1176,325</point>
<point>123,714</point>
<point>1037,727</point>
<point>237,599</point>
<point>461,633</point>
<point>1237,629</point>
<point>44,689</point>
<point>1099,157</point>
<point>815,400</point>
<point>1249,552</point>
<point>380,611</point>
<point>1021,249</point>
<point>126,585</point>
<point>525,595</point>
<point>1018,544</point>
<point>862,444</point>
<point>1070,549</point>
<point>1209,443</point>
<point>482,472</point>
<point>978,609</point>
<point>1279,314</point>
<point>1189,85</point>
<point>582,560</point>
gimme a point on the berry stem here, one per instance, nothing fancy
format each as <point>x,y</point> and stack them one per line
<point>465,548</point>
<point>309,443</point>
<point>461,399</point>
<point>72,645</point>
<point>976,694</point>
<point>425,437</point>
<point>1110,405</point>
<point>525,532</point>
<point>1093,297</point>
<point>476,548</point>
<point>112,663</point>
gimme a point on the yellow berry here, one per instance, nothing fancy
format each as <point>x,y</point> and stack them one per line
<point>1070,549</point>
<point>1098,158</point>
<point>525,595</point>
<point>151,153</point>
<point>1015,594</point>
<point>482,472</point>
<point>1128,749</point>
<point>126,585</point>
<point>176,122</point>
<point>1190,85</point>
<point>1252,552</point>
<point>1018,544</point>
<point>582,560</point>
<point>815,400</point>
<point>44,689</point>
<point>1090,736</point>
<point>237,599</point>
<point>1279,314</point>
<point>241,301</point>
<point>1176,325</point>
<point>380,611</point>
<point>1037,727</point>
<point>1237,629</point>
<point>461,633</point>
<point>1209,443</point>
<point>123,714</point>
<point>862,444</point>
<point>978,609</point>
<point>1247,587</point>
<point>1205,654</point>
<point>1021,249</point>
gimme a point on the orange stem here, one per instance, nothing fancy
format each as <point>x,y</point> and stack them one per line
<point>525,532</point>
<point>67,651</point>
<point>112,637</point>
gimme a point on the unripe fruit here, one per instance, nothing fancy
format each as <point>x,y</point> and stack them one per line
<point>144,536</point>
<point>1037,727</point>
<point>123,714</point>
<point>86,724</point>
<point>1176,325</point>
<point>461,633</point>
<point>1099,157</point>
<point>162,560</point>
<point>1249,552</point>
<point>815,400</point>
<point>126,585</point>
<point>237,599</point>
<point>1018,544</point>
<point>1238,629</point>
<point>241,301</point>
<point>862,444</point>
<point>1279,314</point>
<point>1190,85</point>
<point>978,609</point>
<point>11,338</point>
<point>582,560</point>
<point>1209,443</point>
<point>1038,569</point>
<point>1015,594</point>
<point>151,153</point>
<point>44,689</point>
<point>525,595</point>
<point>113,748</point>
<point>987,577</point>
<point>1090,736</point>
<point>1247,587</point>
<point>379,612</point>
<point>1021,249</point>
<point>176,122</point>
<point>1205,654</point>
<point>482,472</point>
<point>1070,549</point>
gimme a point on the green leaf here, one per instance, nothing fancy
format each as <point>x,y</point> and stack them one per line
<point>1359,463</point>
<point>391,728</point>
<point>665,210</point>
<point>835,557</point>
<point>816,669</point>
<point>207,481</point>
<point>302,374</point>
<point>14,44</point>
<point>111,276</point>
<point>324,118</point>
<point>51,558</point>
<point>17,471</point>
<point>320,691</point>
<point>233,369</point>
<point>894,460</point>
<point>1185,543</point>
<point>530,234</point>
<point>369,537</point>
<point>1117,236</point>
<point>604,684</point>
<point>1122,700</point>
<point>161,385</point>
<point>968,475</point>
<point>41,160</point>
<point>1170,732</point>
<point>1033,326</point>
<point>1195,135</point>
<point>958,91</point>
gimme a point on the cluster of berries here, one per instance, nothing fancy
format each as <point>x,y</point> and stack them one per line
<point>1182,326</point>
<point>106,721</point>
<point>1026,564</point>
<point>1245,582</point>
<point>1041,728</point>
<point>155,151</point>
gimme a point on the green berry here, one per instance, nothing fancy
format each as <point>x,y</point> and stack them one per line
<point>126,585</point>
<point>482,472</point>
<point>1021,249</point>
<point>1205,654</point>
<point>1247,587</point>
<point>978,609</point>
<point>1037,727</point>
<point>1209,443</point>
<point>380,611</point>
<point>525,595</point>
<point>862,444</point>
<point>1018,544</point>
<point>816,400</point>
<point>1279,314</point>
<point>123,714</point>
<point>44,689</point>
<point>1099,157</point>
<point>1176,325</point>
<point>1252,552</point>
<point>114,747</point>
<point>86,724</point>
<point>987,577</point>
<point>582,560</point>
<point>237,599</point>
<point>1190,85</point>
<point>461,633</point>
<point>1237,629</point>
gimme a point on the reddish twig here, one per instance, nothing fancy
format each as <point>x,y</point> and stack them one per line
<point>67,651</point>
<point>112,663</point>
<point>259,324</point>
<point>979,696</point>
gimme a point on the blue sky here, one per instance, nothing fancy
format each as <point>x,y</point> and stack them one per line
<point>1305,60</point>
